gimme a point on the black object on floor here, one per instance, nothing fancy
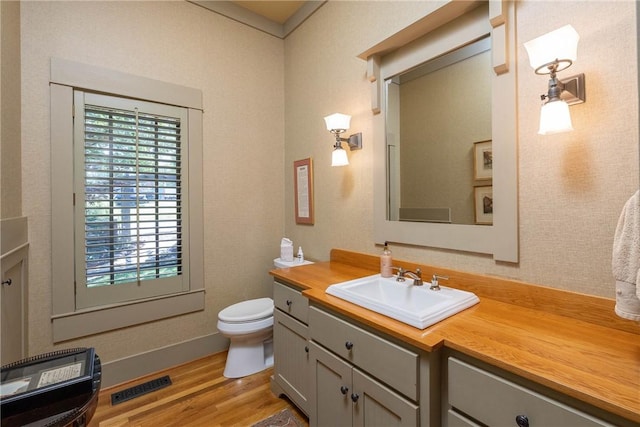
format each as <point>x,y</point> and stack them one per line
<point>140,389</point>
<point>54,389</point>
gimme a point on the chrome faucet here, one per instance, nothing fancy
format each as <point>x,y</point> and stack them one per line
<point>416,276</point>
<point>435,286</point>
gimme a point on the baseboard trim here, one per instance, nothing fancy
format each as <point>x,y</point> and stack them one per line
<point>141,364</point>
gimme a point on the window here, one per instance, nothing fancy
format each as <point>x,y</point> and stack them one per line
<point>129,197</point>
<point>126,187</point>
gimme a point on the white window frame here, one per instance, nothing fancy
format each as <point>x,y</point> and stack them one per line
<point>68,321</point>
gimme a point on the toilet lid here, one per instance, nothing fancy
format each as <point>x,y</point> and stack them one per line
<point>245,311</point>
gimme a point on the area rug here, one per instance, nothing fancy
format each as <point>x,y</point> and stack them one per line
<point>284,418</point>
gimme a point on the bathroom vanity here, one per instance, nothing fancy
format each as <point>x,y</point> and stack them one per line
<point>326,364</point>
<point>497,363</point>
<point>291,332</point>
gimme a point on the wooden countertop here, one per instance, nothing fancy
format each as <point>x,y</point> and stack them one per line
<point>568,342</point>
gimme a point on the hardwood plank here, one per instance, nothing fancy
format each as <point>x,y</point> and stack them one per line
<point>198,396</point>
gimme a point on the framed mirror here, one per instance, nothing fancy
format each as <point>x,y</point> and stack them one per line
<point>482,217</point>
<point>438,138</point>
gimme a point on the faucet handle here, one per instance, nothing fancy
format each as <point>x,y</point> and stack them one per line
<point>401,272</point>
<point>417,280</point>
<point>435,285</point>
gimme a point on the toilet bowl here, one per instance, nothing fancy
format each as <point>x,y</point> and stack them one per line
<point>249,327</point>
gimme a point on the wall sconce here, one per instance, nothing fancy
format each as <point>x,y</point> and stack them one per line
<point>337,124</point>
<point>549,54</point>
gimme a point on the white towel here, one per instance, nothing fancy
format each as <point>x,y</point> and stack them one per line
<point>626,260</point>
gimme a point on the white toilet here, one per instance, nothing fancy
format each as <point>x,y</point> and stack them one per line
<point>249,327</point>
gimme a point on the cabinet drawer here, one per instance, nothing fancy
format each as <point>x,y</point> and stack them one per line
<point>291,301</point>
<point>496,401</point>
<point>390,363</point>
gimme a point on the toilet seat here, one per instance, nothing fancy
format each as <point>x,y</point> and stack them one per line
<point>248,311</point>
<point>245,328</point>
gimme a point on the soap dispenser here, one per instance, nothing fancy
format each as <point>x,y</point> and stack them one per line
<point>386,262</point>
<point>300,255</point>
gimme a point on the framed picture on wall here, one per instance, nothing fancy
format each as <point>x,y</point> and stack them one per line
<point>482,160</point>
<point>483,204</point>
<point>303,190</point>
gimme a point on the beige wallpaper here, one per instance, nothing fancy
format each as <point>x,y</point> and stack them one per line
<point>10,159</point>
<point>264,103</point>
<point>240,72</point>
<point>572,186</point>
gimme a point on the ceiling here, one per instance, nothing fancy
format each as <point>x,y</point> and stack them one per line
<point>276,11</point>
<point>278,18</point>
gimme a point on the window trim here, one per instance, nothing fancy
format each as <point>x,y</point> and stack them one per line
<point>67,322</point>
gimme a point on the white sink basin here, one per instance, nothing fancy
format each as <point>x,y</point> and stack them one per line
<point>417,306</point>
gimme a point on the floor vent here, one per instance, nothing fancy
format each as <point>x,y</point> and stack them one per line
<point>140,389</point>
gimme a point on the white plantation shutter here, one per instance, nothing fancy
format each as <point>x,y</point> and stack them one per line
<point>130,199</point>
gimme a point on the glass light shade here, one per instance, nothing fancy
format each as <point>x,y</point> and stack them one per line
<point>339,157</point>
<point>558,44</point>
<point>337,121</point>
<point>555,118</point>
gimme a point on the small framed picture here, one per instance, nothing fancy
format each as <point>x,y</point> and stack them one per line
<point>483,204</point>
<point>482,160</point>
<point>303,182</point>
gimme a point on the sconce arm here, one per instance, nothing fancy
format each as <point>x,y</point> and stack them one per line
<point>571,90</point>
<point>354,141</point>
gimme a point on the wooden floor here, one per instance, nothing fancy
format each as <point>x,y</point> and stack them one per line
<point>198,396</point>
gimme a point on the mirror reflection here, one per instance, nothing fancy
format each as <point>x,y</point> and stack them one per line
<point>439,153</point>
